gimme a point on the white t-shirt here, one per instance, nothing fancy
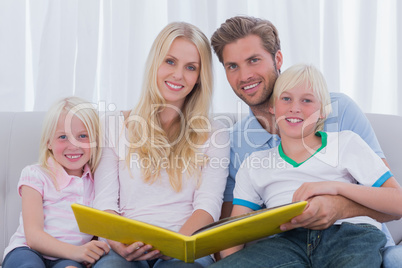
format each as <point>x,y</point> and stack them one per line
<point>269,177</point>
<point>116,189</point>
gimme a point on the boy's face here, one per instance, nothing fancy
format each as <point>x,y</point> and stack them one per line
<point>297,111</point>
<point>250,69</point>
<point>70,144</point>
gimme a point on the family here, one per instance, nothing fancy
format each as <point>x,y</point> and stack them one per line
<point>157,163</point>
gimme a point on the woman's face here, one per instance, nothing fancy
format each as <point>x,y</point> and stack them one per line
<point>179,72</point>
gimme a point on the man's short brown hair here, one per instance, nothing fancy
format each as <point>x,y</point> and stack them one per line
<point>242,26</point>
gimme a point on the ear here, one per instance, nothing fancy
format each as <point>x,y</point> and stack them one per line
<point>271,110</point>
<point>278,59</point>
<point>49,146</point>
<point>322,114</point>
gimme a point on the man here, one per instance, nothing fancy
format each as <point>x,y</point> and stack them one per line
<point>249,49</point>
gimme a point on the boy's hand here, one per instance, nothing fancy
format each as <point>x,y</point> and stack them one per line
<point>310,189</point>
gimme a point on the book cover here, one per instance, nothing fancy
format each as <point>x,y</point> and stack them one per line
<point>212,238</point>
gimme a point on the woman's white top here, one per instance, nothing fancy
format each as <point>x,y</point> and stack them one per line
<point>157,203</point>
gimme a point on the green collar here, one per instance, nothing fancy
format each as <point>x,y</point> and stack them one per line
<point>321,134</point>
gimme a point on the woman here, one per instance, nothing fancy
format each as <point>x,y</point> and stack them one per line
<point>162,166</point>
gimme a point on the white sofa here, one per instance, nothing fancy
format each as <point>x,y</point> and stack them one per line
<point>19,143</point>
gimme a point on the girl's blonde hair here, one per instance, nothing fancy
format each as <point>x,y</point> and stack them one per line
<point>176,149</point>
<point>72,106</point>
<point>303,74</point>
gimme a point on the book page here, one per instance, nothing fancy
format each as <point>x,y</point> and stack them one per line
<point>236,218</point>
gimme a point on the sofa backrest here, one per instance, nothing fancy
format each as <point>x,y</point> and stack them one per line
<point>19,143</point>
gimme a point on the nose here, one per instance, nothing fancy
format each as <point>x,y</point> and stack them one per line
<point>294,107</point>
<point>246,74</point>
<point>177,73</point>
<point>73,144</point>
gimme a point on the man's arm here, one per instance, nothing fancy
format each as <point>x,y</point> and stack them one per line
<point>226,209</point>
<point>322,211</point>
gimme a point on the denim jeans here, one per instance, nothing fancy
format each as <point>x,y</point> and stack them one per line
<point>22,257</point>
<point>112,259</point>
<point>346,245</point>
<point>392,256</point>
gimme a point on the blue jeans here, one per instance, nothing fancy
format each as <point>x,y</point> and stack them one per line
<point>112,259</point>
<point>25,257</point>
<point>346,245</point>
<point>392,257</point>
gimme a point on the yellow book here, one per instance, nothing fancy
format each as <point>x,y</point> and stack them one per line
<point>212,238</point>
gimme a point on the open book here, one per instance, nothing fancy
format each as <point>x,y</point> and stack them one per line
<point>212,238</point>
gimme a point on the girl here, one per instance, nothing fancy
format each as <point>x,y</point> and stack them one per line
<point>308,163</point>
<point>168,165</point>
<point>48,235</point>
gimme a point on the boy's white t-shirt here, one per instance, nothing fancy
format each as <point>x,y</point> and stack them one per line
<point>265,177</point>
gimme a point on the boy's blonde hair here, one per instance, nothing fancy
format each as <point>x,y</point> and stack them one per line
<point>72,106</point>
<point>303,74</point>
<point>193,116</point>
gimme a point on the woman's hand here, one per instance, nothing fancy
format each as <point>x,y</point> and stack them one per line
<point>135,252</point>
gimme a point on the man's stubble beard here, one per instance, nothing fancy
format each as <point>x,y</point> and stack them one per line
<point>262,102</point>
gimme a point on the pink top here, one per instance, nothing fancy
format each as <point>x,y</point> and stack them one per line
<point>59,220</point>
<point>158,203</point>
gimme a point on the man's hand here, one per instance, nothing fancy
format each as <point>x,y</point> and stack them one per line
<point>320,213</point>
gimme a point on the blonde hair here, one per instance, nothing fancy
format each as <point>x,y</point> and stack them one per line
<point>303,74</point>
<point>72,106</point>
<point>193,116</point>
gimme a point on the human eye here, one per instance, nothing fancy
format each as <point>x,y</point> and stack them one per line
<point>307,100</point>
<point>191,68</point>
<point>63,137</point>
<point>83,136</point>
<point>231,66</point>
<point>254,60</point>
<point>286,98</point>
<point>169,61</point>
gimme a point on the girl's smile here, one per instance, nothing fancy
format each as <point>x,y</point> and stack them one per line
<point>70,144</point>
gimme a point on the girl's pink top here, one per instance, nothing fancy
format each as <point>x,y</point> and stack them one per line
<point>59,220</point>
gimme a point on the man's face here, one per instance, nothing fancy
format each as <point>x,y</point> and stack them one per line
<point>250,70</point>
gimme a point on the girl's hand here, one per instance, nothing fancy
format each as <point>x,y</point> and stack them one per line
<point>135,252</point>
<point>90,252</point>
<point>311,189</point>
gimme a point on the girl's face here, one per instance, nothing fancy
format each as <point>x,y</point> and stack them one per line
<point>297,111</point>
<point>70,144</point>
<point>179,72</point>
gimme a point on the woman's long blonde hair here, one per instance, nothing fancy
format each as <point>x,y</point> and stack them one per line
<point>178,149</point>
<point>86,112</point>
